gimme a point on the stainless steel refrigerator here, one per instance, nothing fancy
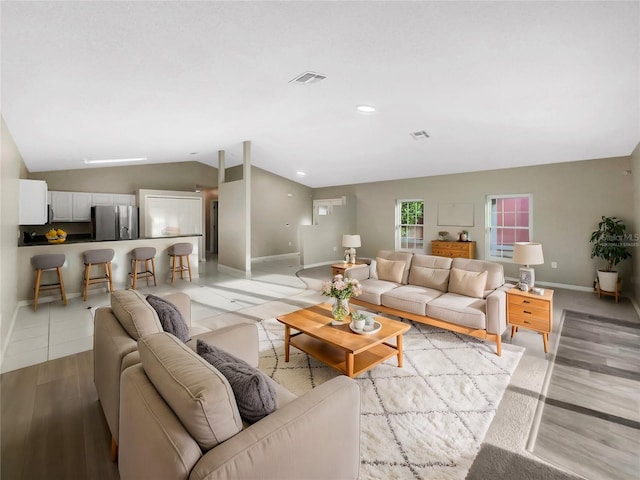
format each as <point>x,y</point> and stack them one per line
<point>109,222</point>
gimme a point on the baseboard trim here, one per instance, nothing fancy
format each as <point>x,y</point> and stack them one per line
<point>275,257</point>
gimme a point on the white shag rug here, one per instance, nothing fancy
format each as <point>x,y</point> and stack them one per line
<point>425,420</point>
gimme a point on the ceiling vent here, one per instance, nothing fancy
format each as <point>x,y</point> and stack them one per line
<point>308,78</point>
<point>421,135</point>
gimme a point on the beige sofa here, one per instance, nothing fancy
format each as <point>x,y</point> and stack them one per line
<point>179,421</point>
<point>463,295</point>
<point>117,329</point>
<point>153,444</point>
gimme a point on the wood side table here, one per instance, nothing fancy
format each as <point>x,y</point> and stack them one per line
<point>532,311</point>
<point>339,268</point>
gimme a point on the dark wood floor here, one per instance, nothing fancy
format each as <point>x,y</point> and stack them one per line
<point>52,424</point>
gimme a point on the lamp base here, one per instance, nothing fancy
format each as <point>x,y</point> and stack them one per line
<point>527,276</point>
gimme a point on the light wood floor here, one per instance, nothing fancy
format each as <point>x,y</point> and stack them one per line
<point>591,418</point>
<point>52,423</point>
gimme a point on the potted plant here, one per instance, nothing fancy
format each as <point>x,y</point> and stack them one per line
<point>608,244</point>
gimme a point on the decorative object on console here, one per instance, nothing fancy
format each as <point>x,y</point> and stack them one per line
<point>351,242</point>
<point>443,236</point>
<point>464,236</point>
<point>527,253</point>
<point>342,289</point>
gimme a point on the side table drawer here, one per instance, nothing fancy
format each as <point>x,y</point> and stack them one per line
<point>530,321</point>
<point>528,302</point>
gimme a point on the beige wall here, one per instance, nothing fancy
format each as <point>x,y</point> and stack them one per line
<point>276,217</point>
<point>635,251</point>
<point>568,200</point>
<point>231,220</point>
<point>184,176</point>
<point>11,170</point>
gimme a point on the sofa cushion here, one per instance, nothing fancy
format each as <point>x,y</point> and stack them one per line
<point>437,278</point>
<point>398,256</point>
<point>134,313</point>
<point>459,309</point>
<point>470,284</point>
<point>372,290</point>
<point>410,298</point>
<point>255,395</point>
<point>170,317</point>
<point>390,270</point>
<point>198,394</point>
<point>495,277</point>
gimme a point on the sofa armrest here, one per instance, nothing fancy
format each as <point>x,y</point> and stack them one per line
<point>111,344</point>
<point>315,436</point>
<point>240,340</point>
<point>497,311</point>
<point>357,272</point>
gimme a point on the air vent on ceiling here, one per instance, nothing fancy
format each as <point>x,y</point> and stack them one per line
<point>421,135</point>
<point>308,78</point>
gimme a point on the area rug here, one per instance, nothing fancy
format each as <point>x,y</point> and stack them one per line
<point>423,421</point>
<point>588,421</point>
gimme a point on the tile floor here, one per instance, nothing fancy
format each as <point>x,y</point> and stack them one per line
<point>56,330</point>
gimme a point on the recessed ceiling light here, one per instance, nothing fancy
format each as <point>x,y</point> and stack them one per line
<point>366,108</point>
<point>116,160</point>
<point>193,153</point>
<point>300,174</point>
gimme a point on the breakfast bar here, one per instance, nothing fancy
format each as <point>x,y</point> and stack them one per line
<point>73,268</point>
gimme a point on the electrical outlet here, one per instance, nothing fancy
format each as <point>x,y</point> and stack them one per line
<point>289,243</point>
<point>335,249</point>
<point>554,264</point>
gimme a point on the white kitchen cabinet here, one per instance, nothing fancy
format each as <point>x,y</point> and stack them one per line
<point>81,211</point>
<point>121,199</point>
<point>62,206</point>
<point>32,202</point>
<point>102,199</point>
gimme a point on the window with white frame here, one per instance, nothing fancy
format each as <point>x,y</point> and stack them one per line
<point>509,220</point>
<point>410,225</point>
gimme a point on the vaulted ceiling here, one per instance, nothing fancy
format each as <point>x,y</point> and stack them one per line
<point>494,84</point>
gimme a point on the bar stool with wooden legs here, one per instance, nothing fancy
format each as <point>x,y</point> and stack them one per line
<point>95,258</point>
<point>178,252</point>
<point>146,255</point>
<point>42,263</point>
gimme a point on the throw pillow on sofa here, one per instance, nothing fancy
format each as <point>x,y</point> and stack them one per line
<point>255,396</point>
<point>390,270</point>
<point>469,284</point>
<point>170,317</point>
<point>134,313</point>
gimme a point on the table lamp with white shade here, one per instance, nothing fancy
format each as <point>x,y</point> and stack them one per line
<point>351,242</point>
<point>527,253</point>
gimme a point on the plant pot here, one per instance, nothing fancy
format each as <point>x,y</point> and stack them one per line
<point>608,281</point>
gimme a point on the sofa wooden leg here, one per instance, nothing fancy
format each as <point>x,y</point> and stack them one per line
<point>499,345</point>
<point>114,450</point>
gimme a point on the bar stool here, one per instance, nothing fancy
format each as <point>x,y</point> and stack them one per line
<point>41,263</point>
<point>94,258</point>
<point>178,252</point>
<point>146,255</point>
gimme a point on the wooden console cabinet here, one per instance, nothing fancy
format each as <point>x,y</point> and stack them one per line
<point>453,249</point>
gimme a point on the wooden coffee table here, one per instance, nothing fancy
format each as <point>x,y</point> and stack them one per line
<point>336,345</point>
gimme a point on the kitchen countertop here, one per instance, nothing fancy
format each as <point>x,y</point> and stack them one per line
<point>86,238</point>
